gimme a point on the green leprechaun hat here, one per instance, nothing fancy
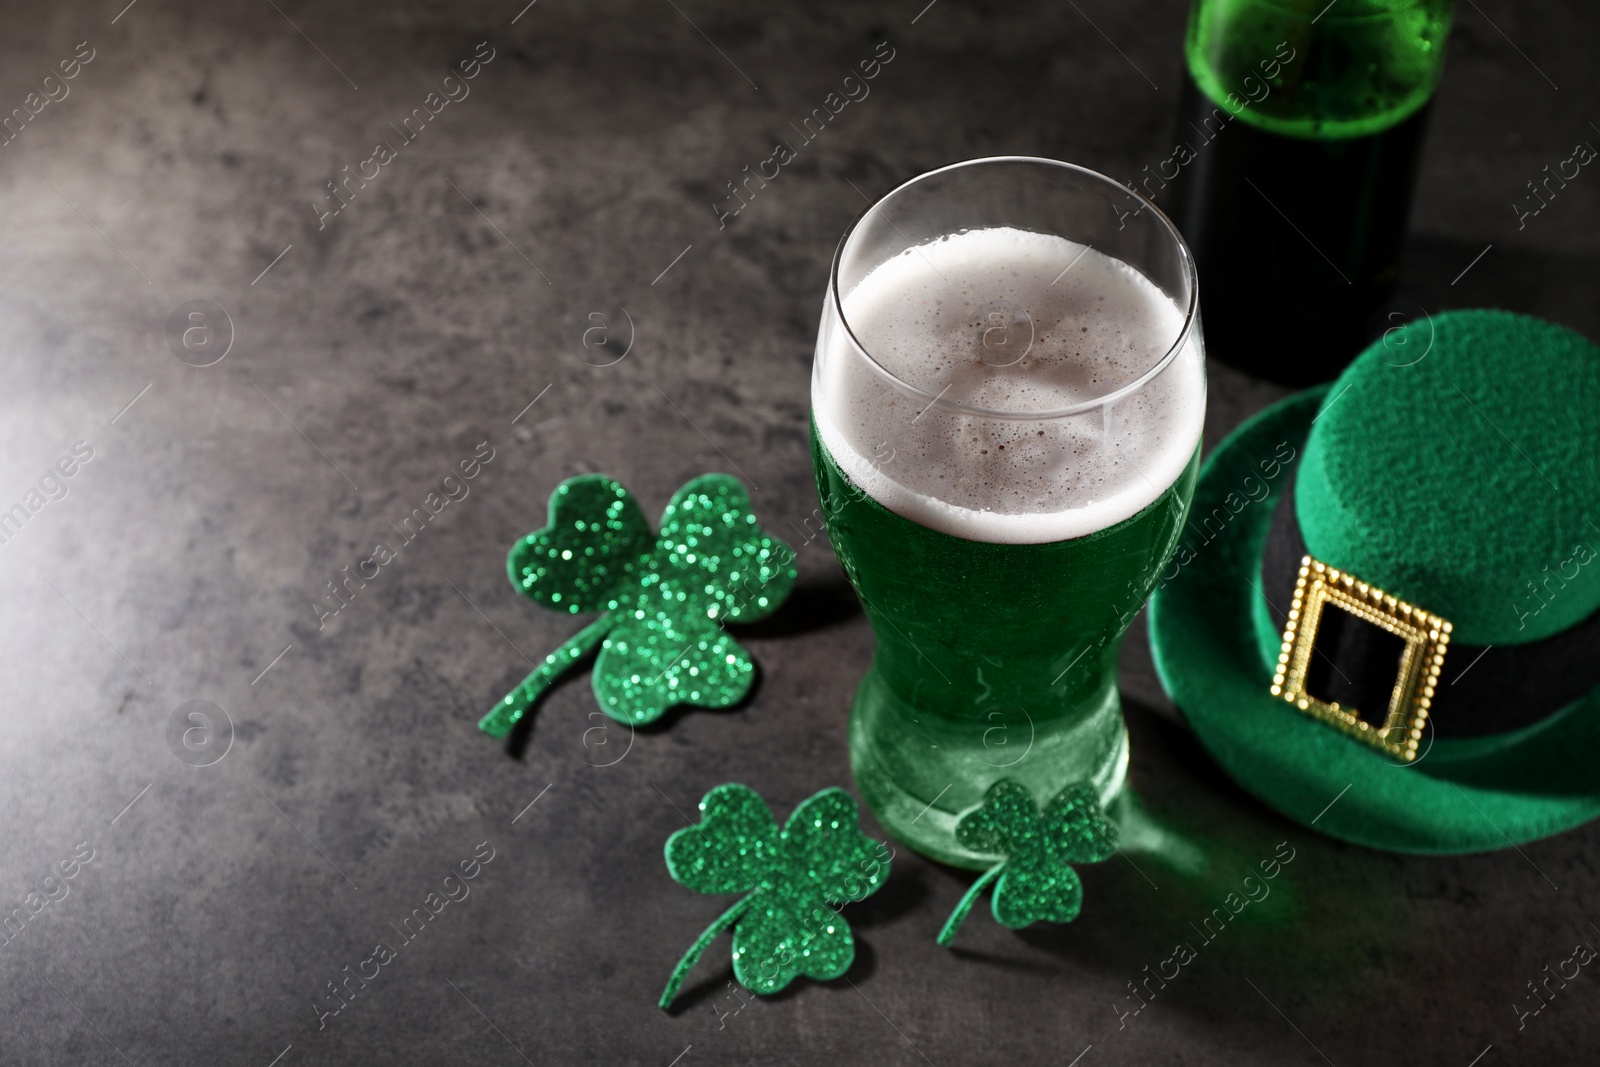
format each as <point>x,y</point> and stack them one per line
<point>1384,620</point>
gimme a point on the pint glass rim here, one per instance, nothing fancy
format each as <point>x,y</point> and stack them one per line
<point>1185,257</point>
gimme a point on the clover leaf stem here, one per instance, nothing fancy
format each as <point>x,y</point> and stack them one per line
<point>685,965</point>
<point>521,700</point>
<point>957,917</point>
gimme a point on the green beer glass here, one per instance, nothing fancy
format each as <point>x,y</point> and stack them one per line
<point>1007,401</point>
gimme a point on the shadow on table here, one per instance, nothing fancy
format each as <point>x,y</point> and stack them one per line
<point>1226,914</point>
<point>814,604</point>
<point>1552,285</point>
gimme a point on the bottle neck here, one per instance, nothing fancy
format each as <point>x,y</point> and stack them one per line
<point>1317,70</point>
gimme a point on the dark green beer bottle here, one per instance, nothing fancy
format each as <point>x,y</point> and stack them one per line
<point>1297,155</point>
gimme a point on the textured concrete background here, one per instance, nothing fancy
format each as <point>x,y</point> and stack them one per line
<point>377,352</point>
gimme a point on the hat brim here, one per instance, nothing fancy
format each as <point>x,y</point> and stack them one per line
<point>1205,638</point>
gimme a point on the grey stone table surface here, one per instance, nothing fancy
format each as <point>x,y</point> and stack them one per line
<point>438,316</point>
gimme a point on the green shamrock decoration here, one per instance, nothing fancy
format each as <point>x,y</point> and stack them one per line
<point>1036,883</point>
<point>794,882</point>
<point>665,597</point>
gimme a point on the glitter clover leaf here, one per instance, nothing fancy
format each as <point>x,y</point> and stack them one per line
<point>794,882</point>
<point>665,597</point>
<point>1035,881</point>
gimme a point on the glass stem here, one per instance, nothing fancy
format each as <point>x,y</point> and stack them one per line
<point>521,700</point>
<point>690,958</point>
<point>957,917</point>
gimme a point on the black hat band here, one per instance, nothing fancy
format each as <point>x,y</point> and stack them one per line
<point>1483,689</point>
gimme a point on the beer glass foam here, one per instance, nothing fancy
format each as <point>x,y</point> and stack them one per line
<point>1006,322</point>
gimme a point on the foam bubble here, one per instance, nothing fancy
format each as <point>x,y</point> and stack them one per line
<point>1013,321</point>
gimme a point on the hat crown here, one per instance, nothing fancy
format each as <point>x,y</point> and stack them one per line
<point>1456,465</point>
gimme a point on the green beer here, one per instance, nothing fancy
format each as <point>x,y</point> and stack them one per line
<point>1006,411</point>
